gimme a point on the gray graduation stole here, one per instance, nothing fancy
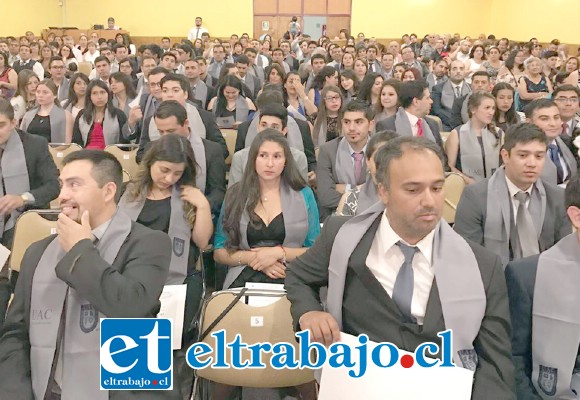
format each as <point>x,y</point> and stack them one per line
<point>320,138</point>
<point>14,174</point>
<point>57,123</point>
<point>461,290</point>
<point>344,164</point>
<point>295,113</point>
<point>464,112</point>
<point>293,135</point>
<point>194,140</point>
<point>111,128</point>
<point>403,126</point>
<point>470,149</point>
<point>127,108</point>
<point>249,82</point>
<point>367,195</point>
<point>179,232</point>
<point>149,107</point>
<point>448,94</point>
<point>63,89</point>
<point>242,109</point>
<point>295,226</point>
<point>201,92</point>
<point>497,229</point>
<point>556,319</point>
<point>549,173</point>
<point>81,342</point>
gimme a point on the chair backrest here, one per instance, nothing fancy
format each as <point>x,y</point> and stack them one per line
<point>230,135</point>
<point>454,185</point>
<point>59,151</point>
<point>271,323</point>
<point>85,67</point>
<point>30,227</point>
<point>127,156</point>
<point>126,177</point>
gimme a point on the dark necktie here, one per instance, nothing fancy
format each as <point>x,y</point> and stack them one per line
<point>564,128</point>
<point>197,33</point>
<point>358,157</point>
<point>457,91</point>
<point>555,157</point>
<point>525,227</point>
<point>404,284</point>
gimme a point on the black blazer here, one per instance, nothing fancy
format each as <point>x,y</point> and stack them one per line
<point>215,183</point>
<point>306,140</point>
<point>520,277</point>
<point>381,319</point>
<point>78,137</point>
<point>456,117</point>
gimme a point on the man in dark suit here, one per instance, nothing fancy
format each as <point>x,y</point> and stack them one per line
<point>535,221</point>
<point>459,111</point>
<point>19,193</point>
<point>116,268</point>
<point>340,164</point>
<point>199,90</point>
<point>251,82</point>
<point>365,263</point>
<point>445,93</point>
<point>522,277</point>
<point>410,119</point>
<point>57,71</point>
<point>172,117</point>
<point>567,98</point>
<point>266,98</point>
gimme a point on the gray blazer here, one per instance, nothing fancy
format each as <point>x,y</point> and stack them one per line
<point>382,321</point>
<point>472,211</point>
<point>240,159</point>
<point>139,273</point>
<point>63,89</point>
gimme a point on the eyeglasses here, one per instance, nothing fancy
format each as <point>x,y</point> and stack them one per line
<point>332,98</point>
<point>57,67</point>
<point>567,99</point>
<point>154,84</point>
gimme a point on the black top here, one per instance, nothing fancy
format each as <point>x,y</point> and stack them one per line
<point>156,215</point>
<point>40,126</point>
<point>267,236</point>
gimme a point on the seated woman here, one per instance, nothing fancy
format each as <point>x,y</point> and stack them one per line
<point>299,105</point>
<point>411,74</point>
<point>389,100</point>
<point>48,119</point>
<point>100,123</point>
<point>505,110</point>
<point>360,68</point>
<point>123,91</point>
<point>77,94</point>
<point>347,62</point>
<point>370,88</point>
<point>327,76</point>
<point>230,102</point>
<point>327,124</point>
<point>163,196</point>
<point>349,84</point>
<point>92,53</point>
<point>493,63</point>
<point>45,55</point>
<point>25,97</point>
<point>533,85</point>
<point>512,69</point>
<point>8,78</point>
<point>362,197</point>
<point>475,61</point>
<point>473,149</point>
<point>269,218</point>
<point>68,56</point>
<point>275,74</point>
<point>399,70</point>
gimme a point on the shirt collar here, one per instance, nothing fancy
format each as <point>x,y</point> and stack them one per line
<point>412,118</point>
<point>100,230</point>
<point>351,150</point>
<point>513,189</point>
<point>389,238</point>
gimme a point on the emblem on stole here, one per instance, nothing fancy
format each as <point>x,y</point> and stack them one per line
<point>548,380</point>
<point>468,359</point>
<point>89,318</point>
<point>178,246</point>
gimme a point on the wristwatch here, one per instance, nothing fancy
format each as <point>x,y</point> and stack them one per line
<point>26,198</point>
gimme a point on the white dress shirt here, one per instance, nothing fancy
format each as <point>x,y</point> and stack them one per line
<point>196,32</point>
<point>413,119</point>
<point>513,190</point>
<point>385,259</point>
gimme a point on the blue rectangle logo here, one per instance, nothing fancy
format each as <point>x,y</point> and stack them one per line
<point>136,354</point>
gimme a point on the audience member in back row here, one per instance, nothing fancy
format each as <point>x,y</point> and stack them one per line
<point>29,181</point>
<point>99,124</point>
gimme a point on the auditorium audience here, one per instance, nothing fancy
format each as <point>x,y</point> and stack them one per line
<point>25,97</point>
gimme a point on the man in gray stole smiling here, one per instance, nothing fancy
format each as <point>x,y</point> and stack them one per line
<point>544,303</point>
<point>400,274</point>
<point>99,264</point>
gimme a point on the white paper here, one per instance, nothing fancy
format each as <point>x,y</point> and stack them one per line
<point>396,382</point>
<point>173,307</point>
<point>4,254</point>
<point>262,301</point>
<point>135,102</point>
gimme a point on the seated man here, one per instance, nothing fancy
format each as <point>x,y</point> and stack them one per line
<point>100,262</point>
<point>567,98</point>
<point>273,116</point>
<point>367,262</point>
<point>298,134</point>
<point>560,161</point>
<point>515,213</point>
<point>173,117</point>
<point>445,93</point>
<point>411,118</point>
<point>29,181</point>
<point>200,91</point>
<point>341,161</point>
<point>543,304</point>
<point>439,74</point>
<point>479,83</point>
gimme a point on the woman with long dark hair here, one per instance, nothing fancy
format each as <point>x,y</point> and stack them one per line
<point>269,218</point>
<point>123,91</point>
<point>230,101</point>
<point>370,88</point>
<point>473,148</point>
<point>100,123</point>
<point>327,76</point>
<point>327,125</point>
<point>389,100</point>
<point>505,109</point>
<point>298,102</point>
<point>25,97</point>
<point>512,69</point>
<point>349,84</point>
<point>77,94</point>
